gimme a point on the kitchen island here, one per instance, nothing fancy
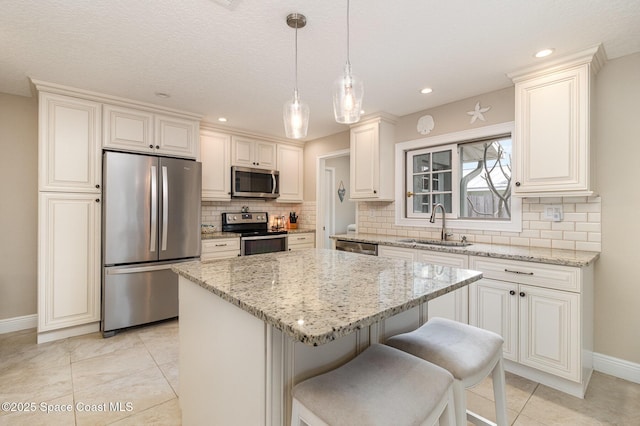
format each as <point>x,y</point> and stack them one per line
<point>252,327</point>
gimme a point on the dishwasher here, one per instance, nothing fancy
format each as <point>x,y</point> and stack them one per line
<point>355,247</point>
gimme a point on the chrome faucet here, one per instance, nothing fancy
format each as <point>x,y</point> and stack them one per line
<point>443,234</point>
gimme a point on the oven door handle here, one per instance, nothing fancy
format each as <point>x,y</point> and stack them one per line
<point>264,237</point>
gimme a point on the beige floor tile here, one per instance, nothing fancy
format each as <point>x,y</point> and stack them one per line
<point>142,390</point>
<point>47,413</point>
<point>162,342</point>
<point>29,355</point>
<point>35,384</point>
<point>608,401</point>
<point>166,414</point>
<point>518,390</point>
<point>105,368</point>
<point>170,371</point>
<point>523,420</point>
<point>486,408</point>
<point>92,345</point>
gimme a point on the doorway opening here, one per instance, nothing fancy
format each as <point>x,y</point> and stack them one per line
<point>335,213</point>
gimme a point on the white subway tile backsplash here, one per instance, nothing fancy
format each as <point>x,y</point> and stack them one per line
<point>563,226</point>
<point>563,244</point>
<point>575,236</point>
<point>588,246</point>
<point>588,227</point>
<point>588,208</point>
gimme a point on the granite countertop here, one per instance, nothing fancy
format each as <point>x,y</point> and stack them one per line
<point>528,254</point>
<point>318,295</point>
<point>214,235</point>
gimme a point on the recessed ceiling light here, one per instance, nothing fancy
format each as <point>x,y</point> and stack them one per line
<point>426,90</point>
<point>222,119</point>
<point>543,53</point>
<point>163,95</point>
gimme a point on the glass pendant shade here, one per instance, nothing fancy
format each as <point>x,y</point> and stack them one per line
<point>348,91</point>
<point>296,117</point>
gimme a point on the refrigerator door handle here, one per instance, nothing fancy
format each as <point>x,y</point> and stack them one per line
<point>165,207</point>
<point>129,270</point>
<point>154,209</point>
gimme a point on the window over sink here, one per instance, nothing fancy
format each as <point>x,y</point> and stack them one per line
<point>469,173</point>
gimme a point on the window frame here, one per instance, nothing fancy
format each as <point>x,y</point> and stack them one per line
<point>453,139</point>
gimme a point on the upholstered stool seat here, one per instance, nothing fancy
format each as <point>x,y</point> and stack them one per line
<point>381,386</point>
<point>469,353</point>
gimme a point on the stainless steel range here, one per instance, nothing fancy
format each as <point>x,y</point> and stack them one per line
<point>255,235</point>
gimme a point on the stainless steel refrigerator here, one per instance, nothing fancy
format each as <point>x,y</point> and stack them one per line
<point>150,220</point>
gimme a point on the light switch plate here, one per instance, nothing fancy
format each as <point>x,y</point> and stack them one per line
<point>553,213</point>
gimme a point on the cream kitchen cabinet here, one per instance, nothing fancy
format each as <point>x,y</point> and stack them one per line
<point>297,241</point>
<point>290,166</point>
<point>553,126</point>
<point>372,159</point>
<point>544,313</point>
<point>69,151</point>
<point>68,264</point>
<point>253,153</point>
<point>396,253</point>
<point>220,248</point>
<point>453,305</point>
<point>131,129</point>
<point>215,155</point>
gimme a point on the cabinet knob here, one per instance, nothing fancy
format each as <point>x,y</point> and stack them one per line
<point>512,292</point>
<point>157,146</point>
<point>151,146</point>
<point>522,294</point>
<point>98,186</point>
<point>517,183</point>
<point>97,200</point>
<point>375,192</point>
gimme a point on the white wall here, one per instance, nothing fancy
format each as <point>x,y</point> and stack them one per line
<point>19,205</point>
<point>345,210</point>
<point>617,289</point>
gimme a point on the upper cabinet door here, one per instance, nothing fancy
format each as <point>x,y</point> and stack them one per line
<point>552,133</point>
<point>290,159</point>
<point>372,160</point>
<point>69,144</point>
<point>253,153</point>
<point>128,129</point>
<point>216,165</point>
<point>176,136</point>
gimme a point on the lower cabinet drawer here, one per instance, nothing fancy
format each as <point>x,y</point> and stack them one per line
<point>539,274</point>
<point>220,248</point>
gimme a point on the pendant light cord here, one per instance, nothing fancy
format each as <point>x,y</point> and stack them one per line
<point>348,62</point>
<point>296,67</point>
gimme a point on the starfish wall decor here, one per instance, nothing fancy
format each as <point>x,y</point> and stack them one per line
<point>478,113</point>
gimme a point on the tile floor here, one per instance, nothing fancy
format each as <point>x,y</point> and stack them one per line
<point>139,370</point>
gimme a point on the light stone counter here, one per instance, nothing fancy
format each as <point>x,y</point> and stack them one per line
<point>218,235</point>
<point>316,296</point>
<point>528,254</point>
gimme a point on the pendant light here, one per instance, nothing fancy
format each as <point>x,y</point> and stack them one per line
<point>348,91</point>
<point>296,113</point>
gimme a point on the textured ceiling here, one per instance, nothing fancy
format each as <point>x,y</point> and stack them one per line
<point>237,61</point>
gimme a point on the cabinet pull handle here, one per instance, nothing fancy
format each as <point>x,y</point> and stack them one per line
<point>303,238</point>
<point>512,292</point>
<point>522,294</point>
<point>221,245</point>
<point>518,272</point>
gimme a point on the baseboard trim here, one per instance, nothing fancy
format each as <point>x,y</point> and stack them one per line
<point>25,322</point>
<point>616,367</point>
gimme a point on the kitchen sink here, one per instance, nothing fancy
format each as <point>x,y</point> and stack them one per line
<point>436,242</point>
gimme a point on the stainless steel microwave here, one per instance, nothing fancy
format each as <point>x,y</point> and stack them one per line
<point>254,183</point>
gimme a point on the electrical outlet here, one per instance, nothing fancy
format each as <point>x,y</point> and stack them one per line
<point>553,213</point>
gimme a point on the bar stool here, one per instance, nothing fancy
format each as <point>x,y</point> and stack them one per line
<point>381,386</point>
<point>469,353</point>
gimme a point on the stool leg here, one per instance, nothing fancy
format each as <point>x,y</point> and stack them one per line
<point>499,392</point>
<point>448,416</point>
<point>460,403</point>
